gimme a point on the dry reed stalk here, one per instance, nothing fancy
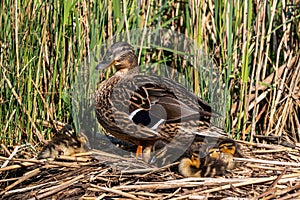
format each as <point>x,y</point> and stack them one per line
<point>26,189</point>
<point>57,188</point>
<point>11,167</point>
<point>20,180</point>
<point>115,191</point>
<point>259,180</point>
<point>271,162</point>
<point>162,180</point>
<point>272,188</point>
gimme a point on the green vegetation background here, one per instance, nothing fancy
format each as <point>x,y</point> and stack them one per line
<point>255,45</point>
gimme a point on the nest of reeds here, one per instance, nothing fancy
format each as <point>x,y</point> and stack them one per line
<point>268,171</point>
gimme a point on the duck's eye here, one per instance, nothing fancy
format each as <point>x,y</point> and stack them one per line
<point>109,58</point>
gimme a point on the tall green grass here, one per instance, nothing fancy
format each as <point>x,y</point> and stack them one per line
<point>254,46</point>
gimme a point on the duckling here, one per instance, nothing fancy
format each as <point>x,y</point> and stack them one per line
<point>201,165</point>
<point>213,167</point>
<point>228,160</point>
<point>230,146</point>
<point>190,167</point>
<point>215,161</point>
<point>214,152</point>
<point>65,144</point>
<point>228,150</point>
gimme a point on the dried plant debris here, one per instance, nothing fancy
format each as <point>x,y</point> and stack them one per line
<point>268,171</point>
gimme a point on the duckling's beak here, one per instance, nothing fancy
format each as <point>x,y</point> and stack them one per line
<point>105,64</point>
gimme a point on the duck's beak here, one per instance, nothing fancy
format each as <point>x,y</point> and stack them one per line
<point>105,64</point>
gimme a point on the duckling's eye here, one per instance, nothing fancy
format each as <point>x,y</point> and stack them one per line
<point>230,148</point>
<point>195,156</point>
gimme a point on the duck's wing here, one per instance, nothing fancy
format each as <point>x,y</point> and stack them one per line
<point>152,100</point>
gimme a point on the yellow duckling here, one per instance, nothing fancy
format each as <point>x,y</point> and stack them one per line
<point>190,167</point>
<point>213,163</point>
<point>201,166</point>
<point>228,150</point>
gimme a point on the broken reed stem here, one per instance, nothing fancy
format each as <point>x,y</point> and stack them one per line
<point>273,185</point>
<point>204,181</point>
<point>15,151</point>
<point>57,188</point>
<point>11,167</point>
<point>115,191</point>
<point>31,188</point>
<point>267,162</point>
<point>25,177</point>
<point>296,170</point>
<point>256,181</point>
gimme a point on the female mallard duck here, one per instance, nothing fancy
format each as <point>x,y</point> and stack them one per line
<point>144,109</point>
